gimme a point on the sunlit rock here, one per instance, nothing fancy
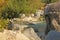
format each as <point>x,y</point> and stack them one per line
<point>12,35</point>
<point>29,32</point>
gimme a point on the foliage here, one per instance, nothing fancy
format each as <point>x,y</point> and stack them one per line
<point>12,8</point>
<point>3,23</point>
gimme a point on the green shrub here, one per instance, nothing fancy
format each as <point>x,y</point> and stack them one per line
<point>3,24</point>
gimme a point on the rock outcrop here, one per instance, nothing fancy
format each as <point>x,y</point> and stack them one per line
<point>52,16</point>
<point>31,34</point>
<point>27,34</point>
<point>12,35</point>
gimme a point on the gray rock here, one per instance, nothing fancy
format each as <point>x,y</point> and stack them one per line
<point>52,16</point>
<point>53,35</point>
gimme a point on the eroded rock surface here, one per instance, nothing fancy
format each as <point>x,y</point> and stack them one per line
<point>12,35</point>
<point>31,34</point>
<point>18,35</point>
<point>52,16</point>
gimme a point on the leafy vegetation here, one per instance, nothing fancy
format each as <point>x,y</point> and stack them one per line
<point>3,24</point>
<point>14,7</point>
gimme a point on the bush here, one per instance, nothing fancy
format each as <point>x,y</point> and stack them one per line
<point>3,24</point>
<point>12,8</point>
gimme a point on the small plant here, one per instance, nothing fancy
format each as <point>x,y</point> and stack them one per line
<point>3,24</point>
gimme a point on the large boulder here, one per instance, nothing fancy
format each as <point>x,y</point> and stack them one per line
<point>52,16</point>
